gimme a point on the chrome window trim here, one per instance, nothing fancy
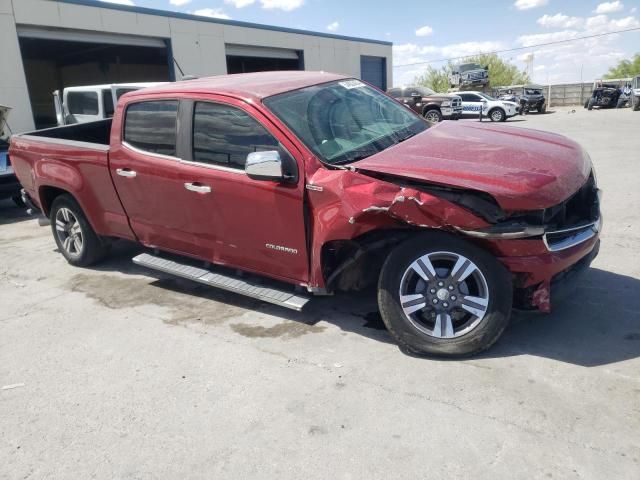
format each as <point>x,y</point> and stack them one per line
<point>152,154</point>
<point>211,166</point>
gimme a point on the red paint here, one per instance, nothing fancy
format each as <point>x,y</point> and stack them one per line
<point>521,169</point>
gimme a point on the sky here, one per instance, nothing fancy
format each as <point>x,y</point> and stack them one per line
<point>426,30</point>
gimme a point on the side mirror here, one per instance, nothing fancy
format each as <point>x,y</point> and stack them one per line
<point>264,166</point>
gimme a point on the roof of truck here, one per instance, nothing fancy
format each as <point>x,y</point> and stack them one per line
<point>245,85</point>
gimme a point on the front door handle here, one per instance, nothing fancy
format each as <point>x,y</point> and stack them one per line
<point>197,187</point>
<point>126,172</point>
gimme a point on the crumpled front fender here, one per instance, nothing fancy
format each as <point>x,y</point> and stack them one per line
<point>347,204</point>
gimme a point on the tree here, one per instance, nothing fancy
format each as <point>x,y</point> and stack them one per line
<point>501,72</point>
<point>436,80</point>
<point>625,69</point>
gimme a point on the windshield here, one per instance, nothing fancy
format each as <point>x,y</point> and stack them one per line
<point>345,121</point>
<point>425,91</point>
<point>470,66</point>
<point>533,91</point>
<point>636,82</point>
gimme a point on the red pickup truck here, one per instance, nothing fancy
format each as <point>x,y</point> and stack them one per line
<point>282,185</point>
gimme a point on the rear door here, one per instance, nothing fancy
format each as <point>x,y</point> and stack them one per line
<point>471,104</point>
<point>237,221</point>
<point>146,170</point>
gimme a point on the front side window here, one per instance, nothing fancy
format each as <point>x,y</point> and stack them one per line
<point>151,126</point>
<point>82,103</point>
<point>224,135</point>
<point>346,120</point>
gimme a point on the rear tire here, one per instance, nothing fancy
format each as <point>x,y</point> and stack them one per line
<point>433,116</point>
<point>448,328</point>
<point>74,236</point>
<point>636,103</point>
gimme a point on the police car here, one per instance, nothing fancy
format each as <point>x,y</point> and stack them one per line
<point>496,110</point>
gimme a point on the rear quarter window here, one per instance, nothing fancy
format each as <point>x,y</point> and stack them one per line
<point>151,126</point>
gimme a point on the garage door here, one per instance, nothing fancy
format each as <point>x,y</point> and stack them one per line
<point>55,59</point>
<point>374,71</point>
<point>250,58</point>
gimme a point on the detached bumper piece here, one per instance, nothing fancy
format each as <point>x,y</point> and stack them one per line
<point>231,283</point>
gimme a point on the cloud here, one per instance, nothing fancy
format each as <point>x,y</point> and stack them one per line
<point>179,3</point>
<point>240,3</point>
<point>120,2</point>
<point>424,31</point>
<point>286,5</point>
<point>560,21</point>
<point>529,4</point>
<point>332,27</point>
<point>213,13</point>
<point>609,7</point>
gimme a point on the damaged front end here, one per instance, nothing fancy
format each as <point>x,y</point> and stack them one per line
<point>542,249</point>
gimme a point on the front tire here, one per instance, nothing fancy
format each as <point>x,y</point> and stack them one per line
<point>433,116</point>
<point>590,104</point>
<point>74,236</point>
<point>440,295</point>
<point>497,115</point>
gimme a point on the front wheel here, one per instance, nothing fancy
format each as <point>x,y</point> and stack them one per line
<point>76,239</point>
<point>590,104</point>
<point>440,295</point>
<point>636,103</point>
<point>497,115</point>
<point>433,116</point>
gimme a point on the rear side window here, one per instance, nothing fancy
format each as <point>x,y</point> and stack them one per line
<point>225,135</point>
<point>151,126</point>
<point>82,103</point>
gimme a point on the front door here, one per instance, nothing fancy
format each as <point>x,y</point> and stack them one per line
<point>239,222</point>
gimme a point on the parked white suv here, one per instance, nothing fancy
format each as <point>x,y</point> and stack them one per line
<point>92,102</point>
<point>496,110</point>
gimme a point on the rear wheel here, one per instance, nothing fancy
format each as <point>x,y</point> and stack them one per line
<point>433,116</point>
<point>497,115</point>
<point>440,295</point>
<point>636,103</point>
<point>73,234</point>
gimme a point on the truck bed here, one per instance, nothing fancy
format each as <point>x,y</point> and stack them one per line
<point>91,132</point>
<point>73,159</point>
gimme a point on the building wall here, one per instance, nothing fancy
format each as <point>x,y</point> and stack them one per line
<point>197,46</point>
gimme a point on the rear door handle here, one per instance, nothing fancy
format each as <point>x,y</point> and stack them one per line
<point>197,187</point>
<point>126,172</point>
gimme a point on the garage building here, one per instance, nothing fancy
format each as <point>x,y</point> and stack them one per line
<point>47,45</point>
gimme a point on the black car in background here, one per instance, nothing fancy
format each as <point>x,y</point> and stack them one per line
<point>529,97</point>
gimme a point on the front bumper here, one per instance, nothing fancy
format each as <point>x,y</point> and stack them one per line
<point>451,113</point>
<point>542,277</point>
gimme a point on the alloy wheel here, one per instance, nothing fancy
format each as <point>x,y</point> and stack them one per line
<point>69,232</point>
<point>444,294</point>
<point>432,116</point>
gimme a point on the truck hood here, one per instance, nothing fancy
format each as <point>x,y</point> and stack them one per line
<point>522,169</point>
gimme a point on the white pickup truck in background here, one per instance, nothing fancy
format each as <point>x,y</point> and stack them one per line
<point>92,102</point>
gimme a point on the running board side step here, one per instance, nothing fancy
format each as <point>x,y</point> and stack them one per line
<point>227,282</point>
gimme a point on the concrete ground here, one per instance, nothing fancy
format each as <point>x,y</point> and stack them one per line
<point>117,374</point>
